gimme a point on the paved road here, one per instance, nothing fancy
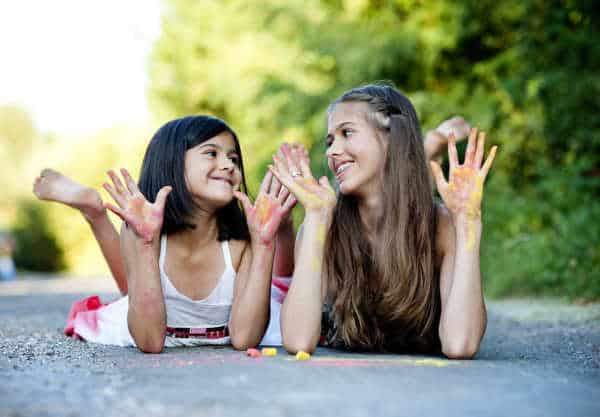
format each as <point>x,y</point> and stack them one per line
<point>537,359</point>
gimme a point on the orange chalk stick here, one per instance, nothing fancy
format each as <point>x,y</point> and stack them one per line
<point>253,353</point>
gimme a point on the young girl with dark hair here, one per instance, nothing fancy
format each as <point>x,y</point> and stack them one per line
<point>395,270</point>
<point>194,268</point>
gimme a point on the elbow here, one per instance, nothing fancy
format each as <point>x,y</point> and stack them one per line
<point>460,349</point>
<point>152,346</point>
<point>240,343</point>
<point>297,344</point>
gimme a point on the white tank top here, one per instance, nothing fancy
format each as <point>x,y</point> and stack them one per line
<point>210,312</point>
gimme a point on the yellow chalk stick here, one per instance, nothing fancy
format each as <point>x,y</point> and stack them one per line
<point>269,351</point>
<point>302,356</point>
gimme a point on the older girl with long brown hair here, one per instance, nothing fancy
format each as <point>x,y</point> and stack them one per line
<point>382,266</point>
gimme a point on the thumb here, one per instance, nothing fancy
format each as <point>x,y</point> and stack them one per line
<point>161,196</point>
<point>324,181</point>
<point>244,200</point>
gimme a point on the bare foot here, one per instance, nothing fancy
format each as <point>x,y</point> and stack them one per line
<point>456,125</point>
<point>53,186</point>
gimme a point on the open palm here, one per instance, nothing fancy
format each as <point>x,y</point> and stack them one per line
<point>143,217</point>
<point>463,193</point>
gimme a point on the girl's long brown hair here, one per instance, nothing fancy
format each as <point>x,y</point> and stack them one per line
<point>385,296</point>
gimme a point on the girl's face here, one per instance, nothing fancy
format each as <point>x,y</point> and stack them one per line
<point>355,155</point>
<point>212,171</point>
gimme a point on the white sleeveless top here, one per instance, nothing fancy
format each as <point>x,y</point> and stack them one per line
<point>210,312</point>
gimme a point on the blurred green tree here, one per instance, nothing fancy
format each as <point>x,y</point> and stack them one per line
<point>525,71</point>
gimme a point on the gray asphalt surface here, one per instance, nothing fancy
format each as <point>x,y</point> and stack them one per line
<point>538,358</point>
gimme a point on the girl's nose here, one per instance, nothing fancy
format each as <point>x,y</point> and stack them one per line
<point>227,164</point>
<point>335,148</point>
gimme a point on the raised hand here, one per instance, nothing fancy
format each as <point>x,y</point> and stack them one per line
<point>271,207</point>
<point>291,167</point>
<point>464,191</point>
<point>143,217</point>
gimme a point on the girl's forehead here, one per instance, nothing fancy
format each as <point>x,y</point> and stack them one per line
<point>223,140</point>
<point>348,111</point>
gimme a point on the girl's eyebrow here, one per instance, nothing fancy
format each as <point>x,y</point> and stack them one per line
<point>219,147</point>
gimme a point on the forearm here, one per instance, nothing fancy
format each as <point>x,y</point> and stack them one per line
<point>463,319</point>
<point>283,264</point>
<point>302,308</point>
<point>250,311</point>
<point>146,316</point>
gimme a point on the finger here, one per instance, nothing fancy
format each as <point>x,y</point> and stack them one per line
<point>438,176</point>
<point>324,181</point>
<point>452,153</point>
<point>131,185</point>
<point>276,187</point>
<point>289,203</point>
<point>480,150</point>
<point>282,168</point>
<point>161,196</point>
<point>246,203</point>
<point>488,162</point>
<point>266,183</point>
<point>471,146</point>
<point>283,194</point>
<point>117,210</point>
<point>285,179</point>
<point>119,188</point>
<point>291,164</point>
<point>113,193</point>
<point>305,167</point>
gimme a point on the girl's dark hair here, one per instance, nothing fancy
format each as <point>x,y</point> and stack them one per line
<point>164,164</point>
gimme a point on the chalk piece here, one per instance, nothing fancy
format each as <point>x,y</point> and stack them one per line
<point>269,351</point>
<point>302,356</point>
<point>253,353</point>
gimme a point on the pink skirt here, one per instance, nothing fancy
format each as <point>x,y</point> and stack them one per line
<point>106,323</point>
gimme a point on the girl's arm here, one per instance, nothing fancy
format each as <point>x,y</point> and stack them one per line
<point>463,316</point>
<point>250,310</point>
<point>302,308</point>
<point>140,243</point>
<point>283,264</point>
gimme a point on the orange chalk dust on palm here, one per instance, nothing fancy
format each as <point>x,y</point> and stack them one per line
<point>472,207</point>
<point>269,351</point>
<point>265,206</point>
<point>253,353</point>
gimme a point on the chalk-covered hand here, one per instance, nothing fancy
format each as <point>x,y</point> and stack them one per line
<point>463,193</point>
<point>143,217</point>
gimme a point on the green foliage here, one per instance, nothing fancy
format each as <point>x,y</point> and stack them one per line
<point>525,71</point>
<point>36,247</point>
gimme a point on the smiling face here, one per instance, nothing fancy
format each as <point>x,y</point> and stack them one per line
<point>355,154</point>
<point>212,171</point>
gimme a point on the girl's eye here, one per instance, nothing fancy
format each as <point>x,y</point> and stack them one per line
<point>328,141</point>
<point>235,160</point>
<point>347,132</point>
<point>212,153</point>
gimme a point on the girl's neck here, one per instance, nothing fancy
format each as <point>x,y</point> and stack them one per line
<point>370,210</point>
<point>206,231</point>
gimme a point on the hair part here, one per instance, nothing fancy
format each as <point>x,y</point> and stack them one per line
<point>385,296</point>
<point>164,164</point>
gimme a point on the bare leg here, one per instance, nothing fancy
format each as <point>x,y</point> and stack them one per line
<point>54,186</point>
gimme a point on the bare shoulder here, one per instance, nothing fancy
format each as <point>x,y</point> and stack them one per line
<point>238,249</point>
<point>444,233</point>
